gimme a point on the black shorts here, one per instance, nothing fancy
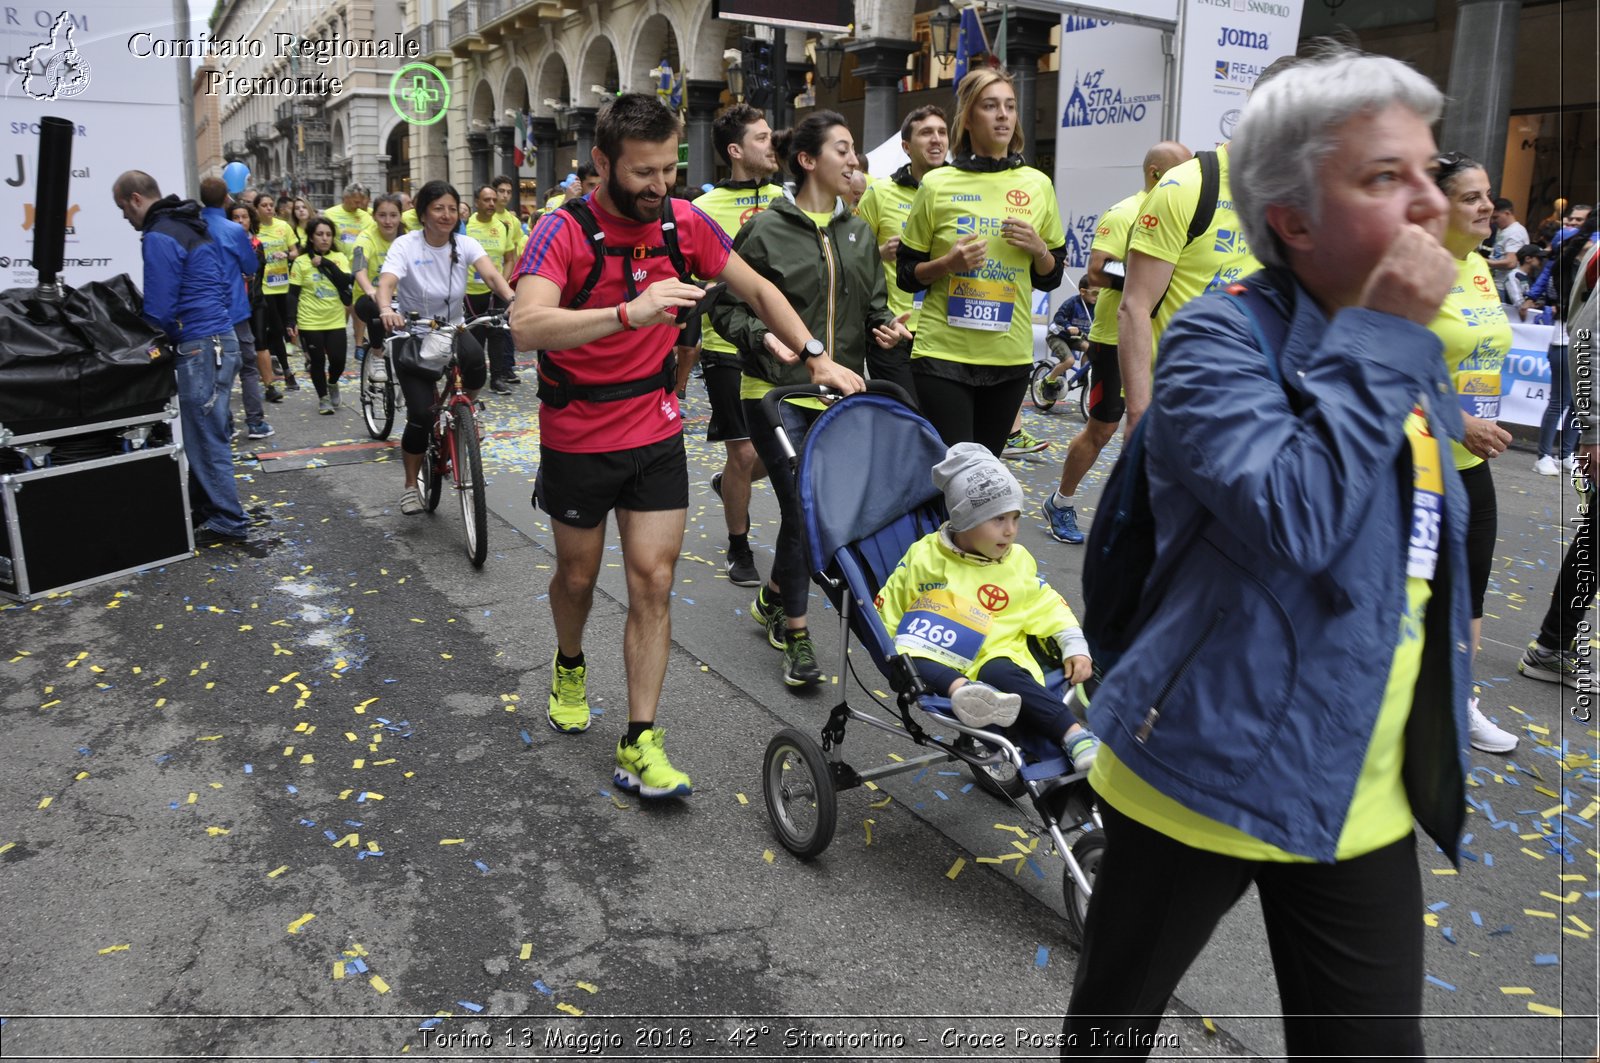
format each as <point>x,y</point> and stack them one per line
<point>1105,384</point>
<point>727,409</point>
<point>580,489</point>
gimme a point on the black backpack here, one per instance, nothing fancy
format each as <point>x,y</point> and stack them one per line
<point>1122,584</point>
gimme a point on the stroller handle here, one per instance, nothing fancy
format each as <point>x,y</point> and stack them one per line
<point>771,409</point>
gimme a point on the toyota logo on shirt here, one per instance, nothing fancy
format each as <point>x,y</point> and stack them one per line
<point>1018,198</point>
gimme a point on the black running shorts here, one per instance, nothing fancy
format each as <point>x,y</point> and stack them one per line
<point>1105,384</point>
<point>580,489</point>
<point>727,409</point>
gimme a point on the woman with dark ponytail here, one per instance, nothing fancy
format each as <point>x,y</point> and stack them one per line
<point>824,259</point>
<point>425,272</point>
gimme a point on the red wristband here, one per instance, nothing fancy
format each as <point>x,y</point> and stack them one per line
<point>622,316</point>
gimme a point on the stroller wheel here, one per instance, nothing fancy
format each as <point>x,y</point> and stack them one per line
<point>1087,851</point>
<point>998,780</point>
<point>798,785</point>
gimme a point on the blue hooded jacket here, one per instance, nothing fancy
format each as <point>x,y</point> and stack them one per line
<point>238,253</point>
<point>186,284</point>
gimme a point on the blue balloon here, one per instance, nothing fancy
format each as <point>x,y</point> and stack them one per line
<point>236,175</point>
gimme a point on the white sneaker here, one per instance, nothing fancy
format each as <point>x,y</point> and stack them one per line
<point>1547,466</point>
<point>981,705</point>
<point>411,502</point>
<point>379,373</point>
<point>1486,736</point>
<point>1569,463</point>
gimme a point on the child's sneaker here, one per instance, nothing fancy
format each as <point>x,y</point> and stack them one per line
<point>981,705</point>
<point>1081,747</point>
<point>569,698</point>
<point>643,769</point>
<point>769,614</point>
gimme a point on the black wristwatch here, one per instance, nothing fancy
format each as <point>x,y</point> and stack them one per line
<point>812,349</point>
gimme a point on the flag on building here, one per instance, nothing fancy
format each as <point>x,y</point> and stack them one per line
<point>971,42</point>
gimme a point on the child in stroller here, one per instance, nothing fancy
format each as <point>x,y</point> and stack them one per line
<point>966,600</point>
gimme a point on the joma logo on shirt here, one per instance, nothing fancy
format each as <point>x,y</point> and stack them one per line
<point>966,198</point>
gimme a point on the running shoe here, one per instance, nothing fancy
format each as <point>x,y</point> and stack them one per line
<point>1063,522</point>
<point>333,394</point>
<point>1556,666</point>
<point>325,406</point>
<point>770,616</point>
<point>379,373</point>
<point>742,565</point>
<point>1051,388</point>
<point>1547,466</point>
<point>800,662</point>
<point>260,431</point>
<point>1020,442</point>
<point>411,502</point>
<point>272,394</point>
<point>1081,747</point>
<point>1485,735</point>
<point>499,386</point>
<point>643,769</point>
<point>1569,463</point>
<point>569,699</point>
<point>981,705</point>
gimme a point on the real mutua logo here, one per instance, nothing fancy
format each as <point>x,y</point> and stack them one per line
<point>1243,74</point>
<point>1093,103</point>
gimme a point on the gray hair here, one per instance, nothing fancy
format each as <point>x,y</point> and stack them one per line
<point>1290,127</point>
<point>355,188</point>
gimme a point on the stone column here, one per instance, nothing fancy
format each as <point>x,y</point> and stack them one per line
<point>702,98</point>
<point>544,166</point>
<point>1478,99</point>
<point>478,145</point>
<point>1027,38</point>
<point>583,119</point>
<point>505,141</point>
<point>881,63</point>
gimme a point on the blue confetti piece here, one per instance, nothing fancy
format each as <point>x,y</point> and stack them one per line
<point>1503,930</point>
<point>949,773</point>
<point>470,1006</point>
<point>941,794</point>
<point>1488,859</point>
<point>249,769</point>
<point>1036,869</point>
<point>308,823</point>
<point>1438,906</point>
<point>354,823</point>
<point>291,789</point>
<point>541,987</point>
<point>173,806</point>
<point>1041,957</point>
<point>527,739</point>
<point>1468,856</point>
<point>1466,840</point>
<point>1477,920</point>
<point>604,792</point>
<point>428,1024</point>
<point>1546,959</point>
<point>481,866</point>
<point>359,965</point>
<point>368,852</point>
<point>1449,935</point>
<point>391,680</point>
<point>1441,983</point>
<point>967,789</point>
<point>328,834</point>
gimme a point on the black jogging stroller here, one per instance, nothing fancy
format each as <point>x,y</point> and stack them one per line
<point>865,483</point>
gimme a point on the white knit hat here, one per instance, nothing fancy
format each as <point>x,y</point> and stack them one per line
<point>977,486</point>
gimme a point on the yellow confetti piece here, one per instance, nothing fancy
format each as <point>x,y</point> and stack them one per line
<point>45,803</point>
<point>766,854</point>
<point>82,775</point>
<point>1548,793</point>
<point>215,831</point>
<point>1580,924</point>
<point>373,796</point>
<point>588,987</point>
<point>379,984</point>
<point>1543,1009</point>
<point>308,759</point>
<point>527,951</point>
<point>1575,933</point>
<point>7,846</point>
<point>743,800</point>
<point>1516,991</point>
<point>451,841</point>
<point>569,1009</point>
<point>1444,871</point>
<point>1530,852</point>
<point>294,927</point>
<point>359,763</point>
<point>620,803</point>
<point>882,804</point>
<point>1554,810</point>
<point>275,872</point>
<point>897,758</point>
<point>1538,729</point>
<point>338,970</point>
<point>1210,1026</point>
<point>1536,913</point>
<point>352,839</point>
<point>1568,899</point>
<point>1589,810</point>
<point>373,847</point>
<point>868,825</point>
<point>115,948</point>
<point>955,868</point>
<point>51,704</point>
<point>1018,831</point>
<point>1573,878</point>
<point>1430,919</point>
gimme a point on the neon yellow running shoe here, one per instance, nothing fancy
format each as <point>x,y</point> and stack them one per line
<point>569,699</point>
<point>643,769</point>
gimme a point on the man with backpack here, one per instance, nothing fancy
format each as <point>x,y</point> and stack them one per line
<point>603,285</point>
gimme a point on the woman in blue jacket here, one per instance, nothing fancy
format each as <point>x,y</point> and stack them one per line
<point>1299,696</point>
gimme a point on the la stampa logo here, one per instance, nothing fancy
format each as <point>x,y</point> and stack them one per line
<point>54,69</point>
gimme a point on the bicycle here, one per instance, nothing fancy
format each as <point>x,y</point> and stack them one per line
<point>377,392</point>
<point>454,437</point>
<point>1075,379</point>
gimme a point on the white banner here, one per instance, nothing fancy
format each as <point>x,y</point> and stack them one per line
<point>1223,47</point>
<point>1525,378</point>
<point>1111,114</point>
<point>81,64</point>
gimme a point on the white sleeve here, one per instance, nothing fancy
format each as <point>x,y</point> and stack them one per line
<point>398,258</point>
<point>469,248</point>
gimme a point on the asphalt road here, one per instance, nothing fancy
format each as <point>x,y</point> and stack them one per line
<point>227,744</point>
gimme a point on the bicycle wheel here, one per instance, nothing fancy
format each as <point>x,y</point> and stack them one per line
<point>467,467</point>
<point>433,468</point>
<point>377,398</point>
<point>1036,387</point>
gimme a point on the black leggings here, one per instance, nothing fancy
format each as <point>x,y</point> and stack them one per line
<point>789,569</point>
<point>270,330</point>
<point>1573,593</point>
<point>325,352</point>
<point>367,310</point>
<point>1345,939</point>
<point>420,393</point>
<point>963,413</point>
<point>502,359</point>
<point>1482,523</point>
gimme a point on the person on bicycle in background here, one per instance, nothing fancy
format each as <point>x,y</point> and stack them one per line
<point>603,280</point>
<point>425,273</point>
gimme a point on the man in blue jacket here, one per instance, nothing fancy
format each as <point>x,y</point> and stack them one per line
<point>1297,700</point>
<point>239,255</point>
<point>187,290</point>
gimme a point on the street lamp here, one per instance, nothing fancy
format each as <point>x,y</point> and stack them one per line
<point>830,58</point>
<point>735,74</point>
<point>943,25</point>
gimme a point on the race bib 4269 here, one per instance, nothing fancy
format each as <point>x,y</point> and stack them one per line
<point>944,628</point>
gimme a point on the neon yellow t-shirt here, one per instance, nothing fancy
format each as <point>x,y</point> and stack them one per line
<point>516,239</point>
<point>320,307</point>
<point>985,316</point>
<point>885,205</point>
<point>276,238</point>
<point>555,201</point>
<point>1379,812</point>
<point>1111,236</point>
<point>373,247</point>
<point>347,225</point>
<point>1215,259</point>
<point>409,219</point>
<point>1477,335</point>
<point>730,208</point>
<point>492,235</point>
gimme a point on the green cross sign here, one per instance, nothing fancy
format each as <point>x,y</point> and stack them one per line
<point>419,93</point>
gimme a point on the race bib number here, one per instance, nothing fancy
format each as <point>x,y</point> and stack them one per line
<point>1479,393</point>
<point>277,274</point>
<point>1427,499</point>
<point>944,628</point>
<point>985,305</point>
<point>916,300</point>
